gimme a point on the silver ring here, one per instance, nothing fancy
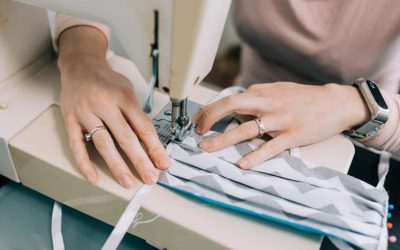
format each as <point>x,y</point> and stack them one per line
<point>261,127</point>
<point>89,136</point>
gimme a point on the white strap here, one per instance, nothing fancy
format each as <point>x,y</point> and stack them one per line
<point>383,165</point>
<point>383,168</point>
<point>56,234</point>
<point>340,244</point>
<point>119,230</point>
<point>227,92</point>
<point>126,219</point>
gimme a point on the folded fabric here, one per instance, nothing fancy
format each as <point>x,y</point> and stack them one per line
<point>283,189</point>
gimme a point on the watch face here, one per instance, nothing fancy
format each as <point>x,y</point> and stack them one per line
<point>377,94</point>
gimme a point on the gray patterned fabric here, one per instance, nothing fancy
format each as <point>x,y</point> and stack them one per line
<point>283,189</point>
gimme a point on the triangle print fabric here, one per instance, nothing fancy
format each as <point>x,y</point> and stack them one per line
<point>283,189</point>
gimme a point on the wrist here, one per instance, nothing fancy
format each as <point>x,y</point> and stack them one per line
<point>80,63</point>
<point>354,110</point>
<point>81,46</point>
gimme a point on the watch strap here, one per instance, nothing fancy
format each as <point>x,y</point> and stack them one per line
<point>371,127</point>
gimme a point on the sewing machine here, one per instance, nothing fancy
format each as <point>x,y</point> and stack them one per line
<point>173,44</point>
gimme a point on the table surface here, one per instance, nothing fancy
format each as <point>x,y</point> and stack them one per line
<point>225,229</point>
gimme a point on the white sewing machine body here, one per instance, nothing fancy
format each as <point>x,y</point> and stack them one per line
<point>33,144</point>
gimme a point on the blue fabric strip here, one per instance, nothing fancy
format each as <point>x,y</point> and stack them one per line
<point>248,212</point>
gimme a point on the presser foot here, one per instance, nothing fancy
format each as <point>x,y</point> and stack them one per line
<point>168,131</point>
<point>181,125</point>
<point>178,133</point>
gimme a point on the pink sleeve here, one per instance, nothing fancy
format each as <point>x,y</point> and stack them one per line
<point>64,22</point>
<point>388,137</point>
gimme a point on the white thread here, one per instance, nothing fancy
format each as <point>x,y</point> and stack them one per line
<point>136,222</point>
<point>139,216</point>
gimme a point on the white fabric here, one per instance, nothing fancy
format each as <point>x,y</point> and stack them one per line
<point>282,189</point>
<point>227,92</point>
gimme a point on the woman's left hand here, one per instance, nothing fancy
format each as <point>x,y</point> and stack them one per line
<point>293,114</point>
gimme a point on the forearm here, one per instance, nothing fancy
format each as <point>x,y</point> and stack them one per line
<point>80,44</point>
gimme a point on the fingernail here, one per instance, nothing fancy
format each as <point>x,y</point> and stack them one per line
<point>243,163</point>
<point>195,117</point>
<point>165,163</point>
<point>91,177</point>
<point>198,129</point>
<point>150,177</point>
<point>126,181</point>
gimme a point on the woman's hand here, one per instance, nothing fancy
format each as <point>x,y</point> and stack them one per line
<point>92,95</point>
<point>293,114</point>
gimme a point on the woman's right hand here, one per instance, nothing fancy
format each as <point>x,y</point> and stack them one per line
<point>92,94</point>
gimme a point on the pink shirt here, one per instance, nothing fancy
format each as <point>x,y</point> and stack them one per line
<point>64,22</point>
<point>337,41</point>
<point>318,42</point>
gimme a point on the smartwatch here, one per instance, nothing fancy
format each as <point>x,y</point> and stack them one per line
<point>376,105</point>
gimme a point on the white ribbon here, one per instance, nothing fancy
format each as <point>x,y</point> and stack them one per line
<point>126,219</point>
<point>119,230</point>
<point>56,234</point>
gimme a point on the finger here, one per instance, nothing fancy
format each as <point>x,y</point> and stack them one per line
<point>241,133</point>
<point>145,130</point>
<point>225,100</point>
<point>130,144</point>
<point>265,152</point>
<point>241,103</point>
<point>274,134</point>
<point>105,146</point>
<point>261,86</point>
<point>79,152</point>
